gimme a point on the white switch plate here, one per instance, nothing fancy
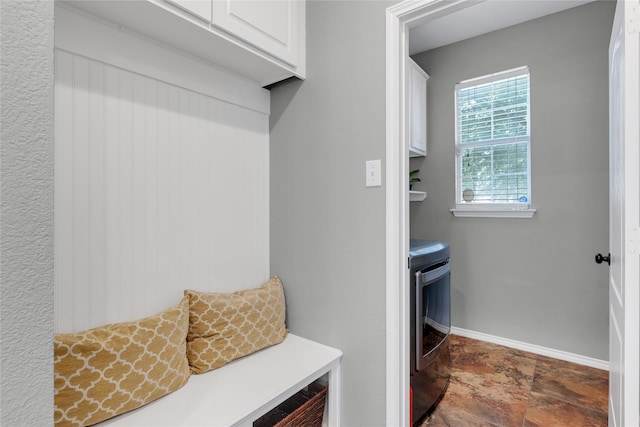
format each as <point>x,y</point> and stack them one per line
<point>373,170</point>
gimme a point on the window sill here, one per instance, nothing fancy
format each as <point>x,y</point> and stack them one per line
<point>493,213</point>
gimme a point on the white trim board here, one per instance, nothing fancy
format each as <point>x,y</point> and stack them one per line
<point>83,34</point>
<point>399,19</point>
<point>533,348</point>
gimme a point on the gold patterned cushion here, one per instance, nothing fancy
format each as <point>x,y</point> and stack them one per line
<point>224,327</point>
<point>112,369</point>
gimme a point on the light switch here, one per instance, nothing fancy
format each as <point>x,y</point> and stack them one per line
<point>373,170</point>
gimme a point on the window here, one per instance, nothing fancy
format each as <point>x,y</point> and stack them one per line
<point>493,145</point>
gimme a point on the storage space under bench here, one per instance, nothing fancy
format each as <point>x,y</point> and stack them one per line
<point>303,409</point>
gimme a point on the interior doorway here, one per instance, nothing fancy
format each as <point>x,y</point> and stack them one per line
<point>401,19</point>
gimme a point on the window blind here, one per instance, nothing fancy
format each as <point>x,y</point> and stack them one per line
<point>493,138</point>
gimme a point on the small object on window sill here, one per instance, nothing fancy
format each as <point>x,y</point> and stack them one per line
<point>417,196</point>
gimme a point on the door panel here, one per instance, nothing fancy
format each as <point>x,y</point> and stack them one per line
<point>624,186</point>
<point>269,25</point>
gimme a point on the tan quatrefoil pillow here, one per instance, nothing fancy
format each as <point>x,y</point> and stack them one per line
<point>112,369</point>
<point>224,327</point>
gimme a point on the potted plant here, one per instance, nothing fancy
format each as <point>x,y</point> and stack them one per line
<point>413,179</point>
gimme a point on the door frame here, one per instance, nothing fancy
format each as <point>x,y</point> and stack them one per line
<point>400,18</point>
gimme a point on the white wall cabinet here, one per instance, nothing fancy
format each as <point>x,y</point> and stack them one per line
<point>418,108</point>
<point>269,25</point>
<point>263,40</point>
<point>272,26</point>
<point>200,8</point>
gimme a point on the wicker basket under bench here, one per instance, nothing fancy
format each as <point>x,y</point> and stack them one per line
<point>278,382</point>
<point>303,409</point>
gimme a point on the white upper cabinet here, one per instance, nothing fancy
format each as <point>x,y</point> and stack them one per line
<point>273,26</point>
<point>263,40</point>
<point>200,8</point>
<point>269,25</point>
<point>418,110</point>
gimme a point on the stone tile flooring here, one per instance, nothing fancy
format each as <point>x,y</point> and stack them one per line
<point>493,385</point>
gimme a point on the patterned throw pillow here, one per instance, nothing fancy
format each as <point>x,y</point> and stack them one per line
<point>112,369</point>
<point>224,327</point>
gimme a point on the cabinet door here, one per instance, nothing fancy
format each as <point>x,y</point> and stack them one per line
<point>418,104</point>
<point>199,8</point>
<point>270,25</point>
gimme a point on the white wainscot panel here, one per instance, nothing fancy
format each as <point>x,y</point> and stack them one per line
<point>158,189</point>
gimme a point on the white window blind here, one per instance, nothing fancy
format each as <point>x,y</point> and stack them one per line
<point>493,140</point>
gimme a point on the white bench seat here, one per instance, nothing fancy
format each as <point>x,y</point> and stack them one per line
<point>245,389</point>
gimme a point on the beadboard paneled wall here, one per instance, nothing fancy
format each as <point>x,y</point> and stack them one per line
<point>158,189</point>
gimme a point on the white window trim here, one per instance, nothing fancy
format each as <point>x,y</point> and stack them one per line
<point>485,210</point>
<point>476,81</point>
<point>492,210</point>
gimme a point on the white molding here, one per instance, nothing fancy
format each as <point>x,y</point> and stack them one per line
<point>83,34</point>
<point>399,19</point>
<point>201,38</point>
<point>493,213</point>
<point>533,348</point>
<point>397,336</point>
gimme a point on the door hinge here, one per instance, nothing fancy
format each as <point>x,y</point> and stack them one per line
<point>633,23</point>
<point>633,240</point>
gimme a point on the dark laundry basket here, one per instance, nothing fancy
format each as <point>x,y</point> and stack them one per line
<point>303,409</point>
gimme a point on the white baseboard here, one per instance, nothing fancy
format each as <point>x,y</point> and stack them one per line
<point>533,348</point>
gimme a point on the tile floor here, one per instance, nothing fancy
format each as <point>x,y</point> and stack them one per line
<point>493,385</point>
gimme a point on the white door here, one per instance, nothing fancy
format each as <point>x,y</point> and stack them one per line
<point>624,214</point>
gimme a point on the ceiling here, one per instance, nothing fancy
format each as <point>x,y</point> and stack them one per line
<point>481,18</point>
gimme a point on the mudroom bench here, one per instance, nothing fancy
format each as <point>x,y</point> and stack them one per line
<point>245,389</point>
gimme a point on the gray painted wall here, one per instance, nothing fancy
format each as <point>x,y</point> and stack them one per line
<point>26,213</point>
<point>532,280</point>
<point>327,229</point>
